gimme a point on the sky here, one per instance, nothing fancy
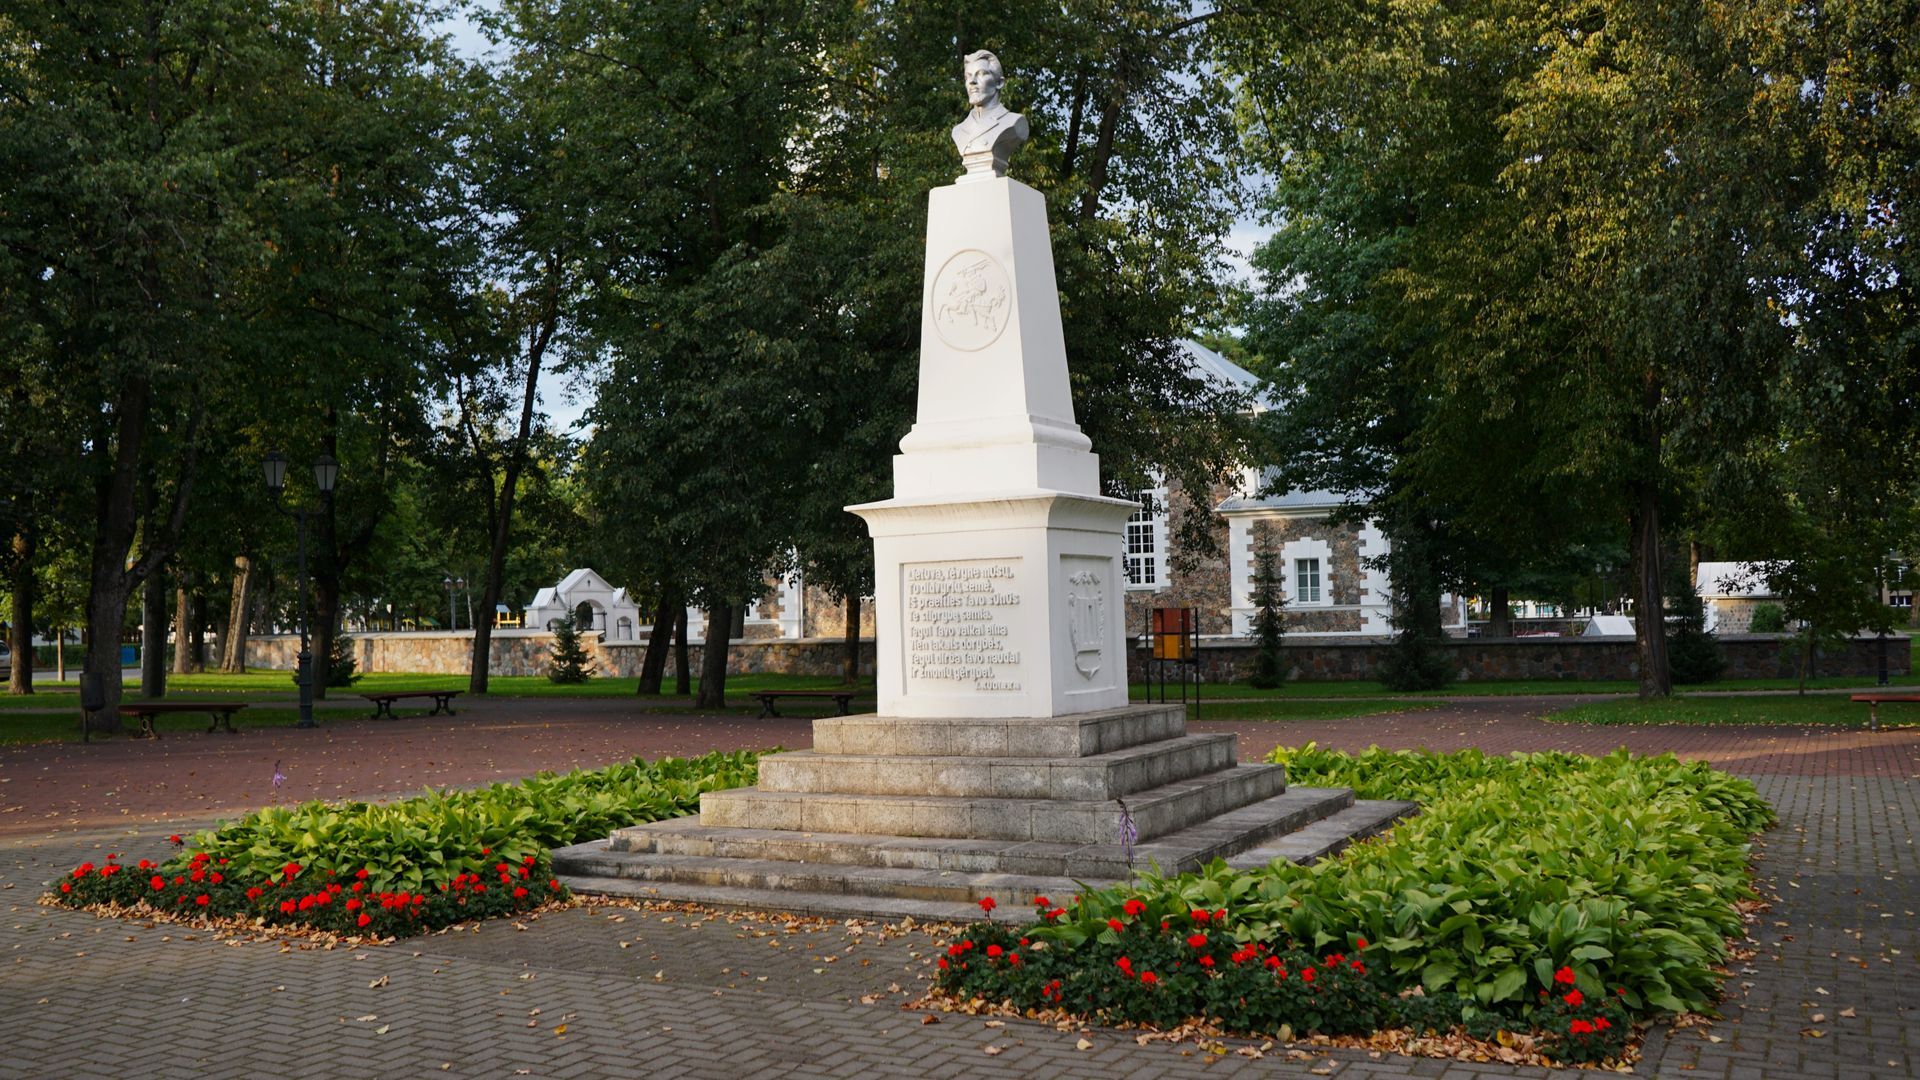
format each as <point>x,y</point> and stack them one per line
<point>564,403</point>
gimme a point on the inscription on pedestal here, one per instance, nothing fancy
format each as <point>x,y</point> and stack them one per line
<point>959,616</point>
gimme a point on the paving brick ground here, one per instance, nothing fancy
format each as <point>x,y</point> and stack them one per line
<point>728,998</point>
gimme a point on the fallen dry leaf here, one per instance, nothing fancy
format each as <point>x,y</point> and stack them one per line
<point>1084,1044</point>
<point>990,1051</point>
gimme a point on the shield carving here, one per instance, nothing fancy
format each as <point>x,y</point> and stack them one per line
<point>1087,621</point>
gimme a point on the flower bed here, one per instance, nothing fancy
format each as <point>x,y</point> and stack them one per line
<point>1548,892</point>
<point>391,869</point>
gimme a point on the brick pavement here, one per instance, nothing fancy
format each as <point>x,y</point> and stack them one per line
<point>81,996</point>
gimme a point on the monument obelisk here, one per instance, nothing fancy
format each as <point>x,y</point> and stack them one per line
<point>1004,759</point>
<point>997,576</point>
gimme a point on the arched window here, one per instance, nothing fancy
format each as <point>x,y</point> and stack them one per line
<point>583,616</point>
<point>624,629</point>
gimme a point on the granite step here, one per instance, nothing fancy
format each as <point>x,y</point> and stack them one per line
<point>1078,735</point>
<point>1155,811</point>
<point>1115,774</point>
<point>1187,849</point>
<point>1302,825</point>
<point>1328,836</point>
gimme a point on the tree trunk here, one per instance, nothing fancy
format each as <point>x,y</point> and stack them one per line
<point>1500,622</point>
<point>21,634</point>
<point>233,658</point>
<point>653,666</point>
<point>106,614</point>
<point>851,673</point>
<point>1806,655</point>
<point>682,669</point>
<point>60,653</point>
<point>1650,624</point>
<point>153,637</point>
<point>326,614</point>
<point>197,629</point>
<point>713,658</point>
<point>182,619</point>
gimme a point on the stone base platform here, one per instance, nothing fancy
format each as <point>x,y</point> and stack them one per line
<point>894,818</point>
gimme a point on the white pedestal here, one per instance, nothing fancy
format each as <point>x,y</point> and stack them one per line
<point>1004,606</point>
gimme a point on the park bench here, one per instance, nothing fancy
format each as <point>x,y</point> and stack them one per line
<point>383,703</point>
<point>221,713</point>
<point>1873,705</point>
<point>841,698</point>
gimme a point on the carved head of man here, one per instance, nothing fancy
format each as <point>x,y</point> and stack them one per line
<point>984,78</point>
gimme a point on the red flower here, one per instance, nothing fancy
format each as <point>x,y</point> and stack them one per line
<point>286,907</point>
<point>1148,978</point>
<point>1206,961</point>
<point>218,877</point>
<point>1116,925</point>
<point>203,900</point>
<point>1564,976</point>
<point>175,840</point>
<point>1041,902</point>
<point>1220,916</point>
<point>197,876</point>
<point>1574,998</point>
<point>1600,1023</point>
<point>1273,962</point>
<point>1024,942</point>
<point>987,904</point>
<point>158,883</point>
<point>353,905</point>
<point>1360,943</point>
<point>1198,941</point>
<point>1134,907</point>
<point>486,851</point>
<point>1124,964</point>
<point>254,893</point>
<point>519,894</point>
<point>1359,967</point>
<point>66,886</point>
<point>1055,914</point>
<point>1580,1027</point>
<point>1014,959</point>
<point>1306,975</point>
<point>361,874</point>
<point>1198,915</point>
<point>994,951</point>
<point>292,869</point>
<point>365,919</point>
<point>943,963</point>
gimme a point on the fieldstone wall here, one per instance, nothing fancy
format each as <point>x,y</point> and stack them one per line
<point>1749,656</point>
<point>527,652</point>
<point>1205,587</point>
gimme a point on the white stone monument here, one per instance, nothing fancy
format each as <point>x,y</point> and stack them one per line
<point>998,578</point>
<point>1004,759</point>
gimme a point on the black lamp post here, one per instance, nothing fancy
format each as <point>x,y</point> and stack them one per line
<point>326,472</point>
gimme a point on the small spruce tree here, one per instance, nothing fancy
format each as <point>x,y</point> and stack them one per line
<point>341,662</point>
<point>1692,653</point>
<point>570,663</point>
<point>1269,664</point>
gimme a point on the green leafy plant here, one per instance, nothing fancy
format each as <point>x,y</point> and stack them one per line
<point>1622,874</point>
<point>1768,618</point>
<point>430,844</point>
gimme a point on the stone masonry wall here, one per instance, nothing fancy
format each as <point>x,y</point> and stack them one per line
<point>1749,656</point>
<point>1204,587</point>
<point>519,652</point>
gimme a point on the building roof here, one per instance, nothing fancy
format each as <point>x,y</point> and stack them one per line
<point>1291,500</point>
<point>1213,367</point>
<point>1731,579</point>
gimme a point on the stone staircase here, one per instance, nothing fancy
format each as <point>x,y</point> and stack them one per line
<point>889,817</point>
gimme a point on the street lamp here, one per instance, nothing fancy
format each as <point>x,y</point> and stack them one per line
<point>326,472</point>
<point>452,583</point>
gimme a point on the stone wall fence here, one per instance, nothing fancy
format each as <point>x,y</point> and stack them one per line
<point>526,652</point>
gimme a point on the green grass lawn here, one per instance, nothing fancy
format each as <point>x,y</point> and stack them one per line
<point>279,684</point>
<point>1283,710</point>
<point>1830,709</point>
<point>1498,688</point>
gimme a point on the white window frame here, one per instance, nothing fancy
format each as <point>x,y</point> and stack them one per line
<point>1149,526</point>
<point>1301,567</point>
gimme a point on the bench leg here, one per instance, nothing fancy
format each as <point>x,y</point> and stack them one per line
<point>767,709</point>
<point>845,703</point>
<point>442,705</point>
<point>383,708</point>
<point>147,730</point>
<point>1873,716</point>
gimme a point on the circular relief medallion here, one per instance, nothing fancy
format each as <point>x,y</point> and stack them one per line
<point>972,301</point>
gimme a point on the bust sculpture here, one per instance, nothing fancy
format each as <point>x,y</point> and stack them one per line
<point>991,132</point>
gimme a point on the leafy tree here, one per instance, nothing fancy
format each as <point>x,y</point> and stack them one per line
<point>1691,648</point>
